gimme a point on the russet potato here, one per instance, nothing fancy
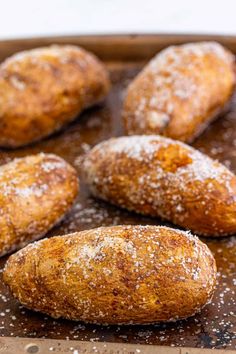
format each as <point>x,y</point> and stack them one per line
<point>43,89</point>
<point>161,177</point>
<point>114,275</point>
<point>180,91</point>
<point>35,193</point>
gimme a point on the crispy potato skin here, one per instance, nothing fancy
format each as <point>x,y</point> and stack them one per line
<point>158,176</point>
<point>180,91</point>
<point>35,193</point>
<point>43,89</point>
<point>117,274</point>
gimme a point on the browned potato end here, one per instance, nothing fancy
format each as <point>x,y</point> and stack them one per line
<point>180,91</point>
<point>35,193</point>
<point>157,176</point>
<point>43,89</point>
<point>114,275</point>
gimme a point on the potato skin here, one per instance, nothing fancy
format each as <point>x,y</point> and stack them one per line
<point>158,176</point>
<point>43,89</point>
<point>35,193</point>
<point>114,275</point>
<point>180,91</point>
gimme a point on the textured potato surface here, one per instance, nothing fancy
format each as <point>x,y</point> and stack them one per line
<point>180,91</point>
<point>117,274</point>
<point>43,89</point>
<point>158,176</point>
<point>35,193</point>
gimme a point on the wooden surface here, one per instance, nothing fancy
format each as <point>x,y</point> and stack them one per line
<point>215,327</point>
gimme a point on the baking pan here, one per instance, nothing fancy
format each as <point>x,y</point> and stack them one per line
<point>125,55</point>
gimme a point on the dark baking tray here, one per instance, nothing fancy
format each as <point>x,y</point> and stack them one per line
<point>125,55</point>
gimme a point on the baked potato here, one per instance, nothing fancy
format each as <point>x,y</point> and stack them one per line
<point>35,193</point>
<point>180,91</point>
<point>114,275</point>
<point>43,89</point>
<point>158,176</point>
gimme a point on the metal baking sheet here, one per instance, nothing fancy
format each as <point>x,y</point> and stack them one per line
<point>215,327</point>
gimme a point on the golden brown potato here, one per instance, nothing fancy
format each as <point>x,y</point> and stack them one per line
<point>180,91</point>
<point>157,176</point>
<point>117,274</point>
<point>35,193</point>
<point>43,89</point>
